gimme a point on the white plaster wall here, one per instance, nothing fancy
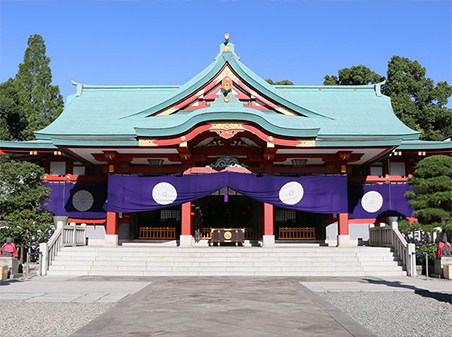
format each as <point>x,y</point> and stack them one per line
<point>95,235</point>
<point>359,234</point>
<point>397,169</point>
<point>58,168</point>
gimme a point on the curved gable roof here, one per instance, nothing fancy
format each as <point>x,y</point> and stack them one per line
<point>319,111</point>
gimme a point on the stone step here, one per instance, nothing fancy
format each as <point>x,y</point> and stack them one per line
<point>226,261</point>
<point>329,250</point>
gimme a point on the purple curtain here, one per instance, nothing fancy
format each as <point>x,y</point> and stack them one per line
<point>378,201</point>
<point>321,194</point>
<point>91,199</point>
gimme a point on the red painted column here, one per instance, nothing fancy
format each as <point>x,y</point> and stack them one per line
<point>268,219</point>
<point>112,223</point>
<point>343,224</point>
<point>261,219</point>
<point>186,219</point>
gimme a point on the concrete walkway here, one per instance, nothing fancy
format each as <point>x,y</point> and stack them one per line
<point>70,289</point>
<point>206,306</point>
<point>226,306</point>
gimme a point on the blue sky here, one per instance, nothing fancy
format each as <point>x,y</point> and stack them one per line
<point>168,42</point>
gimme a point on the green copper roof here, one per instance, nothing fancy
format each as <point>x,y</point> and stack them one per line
<point>326,112</point>
<point>29,145</point>
<point>284,125</point>
<point>425,145</point>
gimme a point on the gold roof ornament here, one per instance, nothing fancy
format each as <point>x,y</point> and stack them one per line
<point>226,38</point>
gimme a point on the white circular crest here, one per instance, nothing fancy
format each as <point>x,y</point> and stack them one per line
<point>164,193</point>
<point>291,193</point>
<point>372,201</point>
<point>82,200</point>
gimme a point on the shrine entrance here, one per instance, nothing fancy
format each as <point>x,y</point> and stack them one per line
<point>291,225</point>
<point>227,210</point>
<point>162,224</point>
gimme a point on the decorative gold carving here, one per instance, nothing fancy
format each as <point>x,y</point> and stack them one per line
<point>270,138</point>
<point>146,142</point>
<point>227,235</point>
<point>306,143</point>
<point>183,138</point>
<point>227,126</point>
<point>226,99</point>
<point>227,130</point>
<point>227,48</point>
<point>227,83</point>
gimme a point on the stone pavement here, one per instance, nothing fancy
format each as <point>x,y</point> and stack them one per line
<point>70,289</point>
<point>343,284</point>
<point>205,306</point>
<point>224,306</point>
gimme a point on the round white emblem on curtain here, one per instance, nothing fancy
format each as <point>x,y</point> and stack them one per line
<point>164,193</point>
<point>372,201</point>
<point>291,193</point>
<point>82,200</point>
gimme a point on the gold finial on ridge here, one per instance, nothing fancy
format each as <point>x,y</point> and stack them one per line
<point>226,38</point>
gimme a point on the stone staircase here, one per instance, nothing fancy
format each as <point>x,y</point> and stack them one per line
<point>226,261</point>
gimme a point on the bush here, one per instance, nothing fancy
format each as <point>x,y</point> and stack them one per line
<point>430,250</point>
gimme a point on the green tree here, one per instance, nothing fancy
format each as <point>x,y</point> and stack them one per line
<point>416,100</point>
<point>21,198</point>
<point>12,118</point>
<point>41,101</point>
<point>431,197</point>
<point>283,82</point>
<point>356,75</point>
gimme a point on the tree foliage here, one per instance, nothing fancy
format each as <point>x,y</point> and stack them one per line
<point>41,101</point>
<point>283,82</point>
<point>21,198</point>
<point>416,101</point>
<point>356,75</point>
<point>12,118</point>
<point>432,194</point>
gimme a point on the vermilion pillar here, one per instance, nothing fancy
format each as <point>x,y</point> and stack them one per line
<point>186,219</point>
<point>343,224</point>
<point>268,219</point>
<point>186,225</point>
<point>112,223</point>
<point>268,237</point>
<point>343,239</point>
<point>111,237</point>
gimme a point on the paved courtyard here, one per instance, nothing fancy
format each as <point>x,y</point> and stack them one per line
<point>220,306</point>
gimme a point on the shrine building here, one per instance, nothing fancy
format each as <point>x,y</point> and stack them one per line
<point>285,163</point>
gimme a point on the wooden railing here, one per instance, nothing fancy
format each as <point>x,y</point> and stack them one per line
<point>157,233</point>
<point>296,233</point>
<point>390,236</point>
<point>65,235</point>
<point>205,233</point>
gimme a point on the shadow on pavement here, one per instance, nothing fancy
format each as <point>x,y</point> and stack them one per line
<point>442,297</point>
